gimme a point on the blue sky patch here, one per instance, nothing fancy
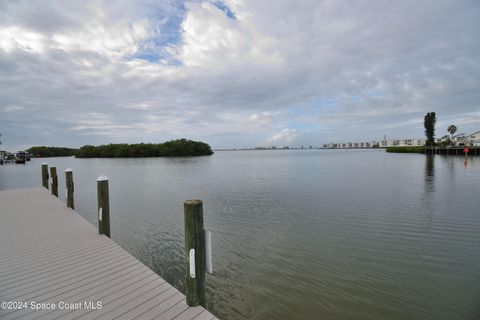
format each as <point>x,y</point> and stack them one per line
<point>167,24</point>
<point>222,6</point>
<point>377,93</point>
<point>319,102</point>
<point>168,33</point>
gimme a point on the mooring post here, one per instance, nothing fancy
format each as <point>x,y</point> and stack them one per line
<point>45,175</point>
<point>194,253</point>
<point>103,206</point>
<point>70,188</point>
<point>54,185</point>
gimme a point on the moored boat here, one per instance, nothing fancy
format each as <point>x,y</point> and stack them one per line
<point>9,157</point>
<point>20,157</point>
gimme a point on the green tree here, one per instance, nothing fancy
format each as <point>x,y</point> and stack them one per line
<point>429,124</point>
<point>452,129</point>
<point>445,141</point>
<point>42,151</point>
<point>173,148</point>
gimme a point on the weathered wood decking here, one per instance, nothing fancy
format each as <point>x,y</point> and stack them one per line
<point>50,254</point>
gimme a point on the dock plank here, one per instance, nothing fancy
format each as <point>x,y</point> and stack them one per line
<point>128,276</point>
<point>188,313</point>
<point>41,271</point>
<point>157,311</point>
<point>52,279</point>
<point>204,315</point>
<point>50,254</point>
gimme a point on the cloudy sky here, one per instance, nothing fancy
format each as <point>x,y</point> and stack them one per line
<point>235,73</point>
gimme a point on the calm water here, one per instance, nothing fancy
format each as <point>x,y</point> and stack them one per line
<point>300,234</point>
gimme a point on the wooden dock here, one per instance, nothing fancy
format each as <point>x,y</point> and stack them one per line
<point>50,256</point>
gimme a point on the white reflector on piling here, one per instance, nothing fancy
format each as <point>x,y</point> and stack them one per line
<point>102,178</point>
<point>192,263</point>
<point>100,214</point>
<point>208,251</point>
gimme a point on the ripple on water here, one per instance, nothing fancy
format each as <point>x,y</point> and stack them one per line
<point>302,234</point>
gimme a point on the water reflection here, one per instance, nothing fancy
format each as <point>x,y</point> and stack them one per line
<point>428,193</point>
<point>429,177</point>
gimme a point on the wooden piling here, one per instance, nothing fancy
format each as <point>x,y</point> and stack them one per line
<point>54,185</point>
<point>45,175</point>
<point>70,187</point>
<point>194,253</point>
<point>103,206</point>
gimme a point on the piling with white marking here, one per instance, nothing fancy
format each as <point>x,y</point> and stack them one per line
<point>103,206</point>
<point>194,253</point>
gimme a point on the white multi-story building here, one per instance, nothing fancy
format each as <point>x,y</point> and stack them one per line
<point>379,144</point>
<point>402,143</point>
<point>472,140</point>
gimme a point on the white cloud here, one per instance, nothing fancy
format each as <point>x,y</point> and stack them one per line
<point>284,137</point>
<point>12,108</point>
<point>98,34</point>
<point>16,37</point>
<point>369,68</point>
<point>211,39</point>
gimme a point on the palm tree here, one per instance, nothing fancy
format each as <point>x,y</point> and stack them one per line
<point>452,129</point>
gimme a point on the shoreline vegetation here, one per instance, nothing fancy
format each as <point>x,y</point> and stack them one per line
<point>46,152</point>
<point>428,150</point>
<point>172,148</point>
<point>417,149</point>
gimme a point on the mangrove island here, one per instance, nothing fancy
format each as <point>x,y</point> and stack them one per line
<point>172,148</point>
